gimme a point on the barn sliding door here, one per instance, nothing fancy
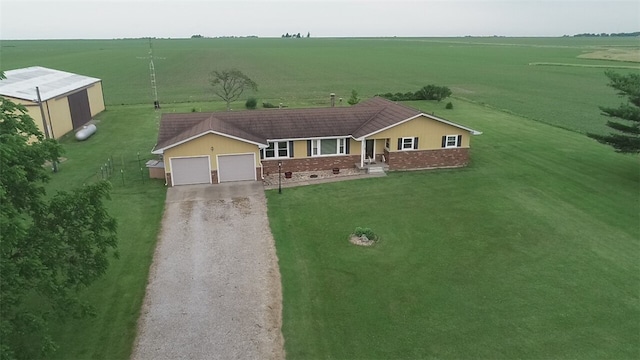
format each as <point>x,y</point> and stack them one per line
<point>79,107</point>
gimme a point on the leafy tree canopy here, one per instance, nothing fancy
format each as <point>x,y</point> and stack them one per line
<point>230,84</point>
<point>49,247</point>
<point>626,139</point>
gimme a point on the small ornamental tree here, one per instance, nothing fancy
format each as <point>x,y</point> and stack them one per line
<point>626,139</point>
<point>230,84</point>
<point>354,99</point>
<point>251,103</point>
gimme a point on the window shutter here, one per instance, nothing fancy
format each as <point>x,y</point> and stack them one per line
<point>308,147</point>
<point>444,141</point>
<point>347,141</point>
<point>415,143</point>
<point>399,143</point>
<point>459,141</point>
<point>290,148</point>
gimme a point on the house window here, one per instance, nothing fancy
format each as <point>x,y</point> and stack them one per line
<point>277,149</point>
<point>451,141</point>
<point>407,143</point>
<point>322,147</point>
<point>387,144</point>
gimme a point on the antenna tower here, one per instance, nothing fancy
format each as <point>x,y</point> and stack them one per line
<point>152,71</point>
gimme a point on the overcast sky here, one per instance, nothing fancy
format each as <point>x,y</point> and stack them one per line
<point>95,19</point>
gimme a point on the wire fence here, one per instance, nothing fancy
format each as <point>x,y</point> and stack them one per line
<point>123,169</point>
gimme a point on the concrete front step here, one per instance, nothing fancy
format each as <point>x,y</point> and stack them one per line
<point>375,170</point>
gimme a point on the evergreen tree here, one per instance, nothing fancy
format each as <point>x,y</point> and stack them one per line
<point>626,139</point>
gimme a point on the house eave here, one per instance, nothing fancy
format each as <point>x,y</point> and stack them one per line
<point>161,150</point>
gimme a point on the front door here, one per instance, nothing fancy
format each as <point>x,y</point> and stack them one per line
<point>370,150</point>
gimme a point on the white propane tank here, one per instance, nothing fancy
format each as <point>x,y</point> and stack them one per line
<point>85,132</point>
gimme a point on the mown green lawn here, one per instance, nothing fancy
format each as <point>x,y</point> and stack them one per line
<point>530,252</point>
<point>137,205</point>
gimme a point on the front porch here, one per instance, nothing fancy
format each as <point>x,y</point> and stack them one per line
<point>373,167</point>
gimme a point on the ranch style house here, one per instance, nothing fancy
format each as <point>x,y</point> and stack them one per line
<point>204,148</point>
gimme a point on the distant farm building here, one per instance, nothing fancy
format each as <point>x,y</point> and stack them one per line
<point>65,102</point>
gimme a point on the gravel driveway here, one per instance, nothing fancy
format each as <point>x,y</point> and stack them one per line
<point>214,288</point>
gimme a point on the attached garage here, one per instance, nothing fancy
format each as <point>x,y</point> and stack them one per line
<point>237,167</point>
<point>190,170</point>
<point>58,101</point>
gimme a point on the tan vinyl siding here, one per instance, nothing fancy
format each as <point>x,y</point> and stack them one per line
<point>33,110</point>
<point>96,98</point>
<point>429,132</point>
<point>355,147</point>
<point>202,146</point>
<point>60,114</point>
<point>300,149</point>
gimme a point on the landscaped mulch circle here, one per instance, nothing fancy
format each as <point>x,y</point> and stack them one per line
<point>361,240</point>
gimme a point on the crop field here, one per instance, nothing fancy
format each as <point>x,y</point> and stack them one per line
<point>530,252</point>
<point>497,72</point>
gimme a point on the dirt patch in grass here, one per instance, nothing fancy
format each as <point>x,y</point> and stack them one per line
<point>629,55</point>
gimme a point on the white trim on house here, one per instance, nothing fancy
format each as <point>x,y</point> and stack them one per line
<point>276,151</point>
<point>455,142</point>
<point>473,132</point>
<point>161,150</point>
<point>314,138</point>
<point>317,144</point>
<point>412,143</point>
<point>363,151</point>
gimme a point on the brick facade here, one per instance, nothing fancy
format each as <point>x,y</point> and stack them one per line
<point>425,159</point>
<point>310,163</point>
<point>401,160</point>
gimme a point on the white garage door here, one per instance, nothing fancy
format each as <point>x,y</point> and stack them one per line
<point>191,170</point>
<point>236,167</point>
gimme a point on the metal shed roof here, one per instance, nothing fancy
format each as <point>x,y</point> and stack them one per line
<point>21,83</point>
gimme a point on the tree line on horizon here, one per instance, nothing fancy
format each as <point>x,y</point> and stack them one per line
<point>623,34</point>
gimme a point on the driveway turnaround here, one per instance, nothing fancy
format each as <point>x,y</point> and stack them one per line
<point>214,288</point>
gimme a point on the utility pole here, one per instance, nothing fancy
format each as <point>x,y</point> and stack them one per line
<point>47,129</point>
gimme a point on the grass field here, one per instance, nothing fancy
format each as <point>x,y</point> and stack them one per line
<point>529,253</point>
<point>302,72</point>
<point>137,205</point>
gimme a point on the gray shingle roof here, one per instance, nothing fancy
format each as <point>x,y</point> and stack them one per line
<point>259,126</point>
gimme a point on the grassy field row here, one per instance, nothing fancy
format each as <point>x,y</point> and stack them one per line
<point>529,253</point>
<point>137,205</point>
<point>302,72</point>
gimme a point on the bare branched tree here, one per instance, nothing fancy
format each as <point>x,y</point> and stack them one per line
<point>230,84</point>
